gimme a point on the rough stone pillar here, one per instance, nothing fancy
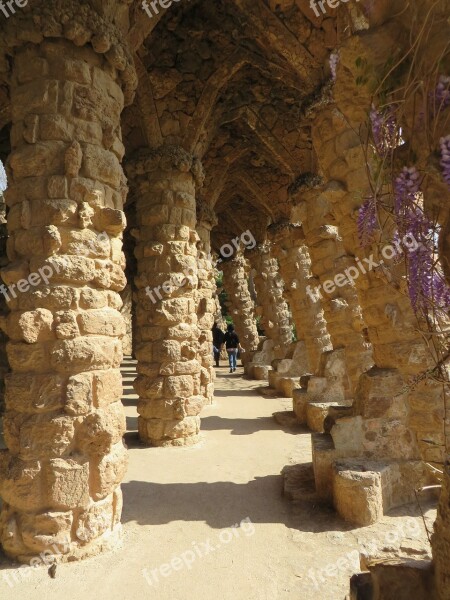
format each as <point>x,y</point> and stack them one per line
<point>440,541</point>
<point>60,475</point>
<point>288,244</point>
<point>399,350</point>
<point>242,308</point>
<point>167,344</point>
<point>275,318</point>
<point>340,303</point>
<point>206,304</point>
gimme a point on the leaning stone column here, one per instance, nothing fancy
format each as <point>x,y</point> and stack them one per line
<point>288,245</point>
<point>339,302</point>
<point>242,308</point>
<point>60,475</point>
<point>167,344</point>
<point>275,318</point>
<point>206,304</point>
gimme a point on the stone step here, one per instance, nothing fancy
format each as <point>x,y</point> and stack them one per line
<point>323,457</point>
<point>261,372</point>
<point>402,579</point>
<point>361,587</point>
<point>316,413</point>
<point>267,392</point>
<point>299,402</point>
<point>366,490</point>
<point>335,413</point>
<point>286,418</point>
<point>298,482</point>
<point>358,490</point>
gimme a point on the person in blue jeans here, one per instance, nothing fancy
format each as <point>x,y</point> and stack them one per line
<point>232,345</point>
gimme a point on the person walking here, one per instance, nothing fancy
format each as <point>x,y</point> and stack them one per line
<point>218,341</point>
<point>232,345</point>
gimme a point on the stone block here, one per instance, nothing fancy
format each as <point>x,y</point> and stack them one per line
<point>95,521</point>
<point>37,97</point>
<point>287,385</point>
<point>47,531</point>
<point>100,430</point>
<point>79,396</point>
<point>57,187</point>
<point>67,483</point>
<point>316,413</point>
<point>104,321</point>
<point>27,357</point>
<point>261,372</point>
<point>323,457</point>
<point>31,326</point>
<point>21,483</point>
<point>299,403</point>
<point>85,354</point>
<point>190,426</point>
<point>151,389</point>
<point>43,436</point>
<point>107,387</point>
<point>108,472</point>
<point>181,386</point>
<point>29,392</point>
<point>66,326</point>
<point>101,165</point>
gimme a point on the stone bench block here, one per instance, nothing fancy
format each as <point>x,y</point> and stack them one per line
<point>323,458</point>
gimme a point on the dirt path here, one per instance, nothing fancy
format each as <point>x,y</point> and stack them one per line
<point>211,522</point>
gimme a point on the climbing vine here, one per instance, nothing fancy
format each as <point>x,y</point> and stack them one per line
<point>406,140</point>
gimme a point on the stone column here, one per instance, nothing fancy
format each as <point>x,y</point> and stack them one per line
<point>167,338</point>
<point>440,540</point>
<point>60,475</point>
<point>288,244</point>
<point>340,303</point>
<point>242,308</point>
<point>395,424</point>
<point>275,318</point>
<point>206,303</point>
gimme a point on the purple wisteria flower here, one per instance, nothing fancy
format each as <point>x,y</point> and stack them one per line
<point>384,129</point>
<point>442,93</point>
<point>409,216</point>
<point>3,178</point>
<point>334,61</point>
<point>445,158</point>
<point>426,286</point>
<point>367,221</point>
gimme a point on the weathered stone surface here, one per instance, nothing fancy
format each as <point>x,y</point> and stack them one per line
<point>66,193</point>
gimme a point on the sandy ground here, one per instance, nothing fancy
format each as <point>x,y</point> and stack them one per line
<point>211,521</point>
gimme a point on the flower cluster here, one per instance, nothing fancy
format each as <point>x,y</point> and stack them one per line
<point>442,94</point>
<point>334,61</point>
<point>3,179</point>
<point>384,130</point>
<point>367,221</point>
<point>445,158</point>
<point>426,285</point>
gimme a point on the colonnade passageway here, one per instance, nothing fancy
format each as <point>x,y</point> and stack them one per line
<point>184,182</point>
<point>183,503</point>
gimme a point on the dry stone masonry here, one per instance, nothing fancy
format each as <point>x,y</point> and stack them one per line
<point>60,476</point>
<point>255,116</point>
<point>242,307</point>
<point>169,338</point>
